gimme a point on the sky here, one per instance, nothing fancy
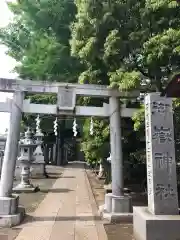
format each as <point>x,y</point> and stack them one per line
<point>6,64</point>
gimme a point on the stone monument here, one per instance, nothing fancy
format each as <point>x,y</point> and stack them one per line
<point>27,146</point>
<point>38,166</point>
<point>160,220</point>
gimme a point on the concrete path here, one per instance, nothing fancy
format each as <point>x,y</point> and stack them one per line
<point>68,212</point>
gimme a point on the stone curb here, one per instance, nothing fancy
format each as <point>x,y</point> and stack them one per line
<point>99,225</point>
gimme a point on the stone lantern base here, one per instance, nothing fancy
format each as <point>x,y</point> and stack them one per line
<point>38,170</point>
<point>25,188</point>
<point>10,214</point>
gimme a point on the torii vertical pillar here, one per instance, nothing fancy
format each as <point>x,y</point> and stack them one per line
<point>9,211</point>
<point>117,205</point>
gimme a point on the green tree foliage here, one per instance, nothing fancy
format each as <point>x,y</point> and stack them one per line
<point>38,39</point>
<point>127,44</point>
<point>86,44</point>
<point>94,147</point>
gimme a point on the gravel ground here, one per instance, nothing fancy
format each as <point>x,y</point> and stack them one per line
<point>32,200</point>
<point>114,231</point>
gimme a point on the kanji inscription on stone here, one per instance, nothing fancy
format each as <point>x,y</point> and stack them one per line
<point>160,155</point>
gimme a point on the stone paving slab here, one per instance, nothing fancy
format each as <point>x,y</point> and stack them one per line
<point>67,212</point>
<point>3,237</point>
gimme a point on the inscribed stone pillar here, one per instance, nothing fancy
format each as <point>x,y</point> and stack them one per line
<point>161,219</point>
<point>160,156</point>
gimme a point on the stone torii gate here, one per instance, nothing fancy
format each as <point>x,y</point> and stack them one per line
<point>116,204</point>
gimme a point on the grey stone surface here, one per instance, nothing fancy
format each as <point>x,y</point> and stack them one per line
<point>9,205</point>
<point>113,217</point>
<point>160,155</point>
<point>155,227</point>
<point>17,174</point>
<point>13,219</point>
<point>117,209</point>
<point>160,220</point>
<point>10,85</point>
<point>25,189</point>
<point>116,147</point>
<point>118,217</point>
<point>116,203</point>
<point>121,204</point>
<point>66,98</point>
<point>38,154</point>
<point>108,202</point>
<point>37,170</point>
<point>11,150</point>
<point>27,146</point>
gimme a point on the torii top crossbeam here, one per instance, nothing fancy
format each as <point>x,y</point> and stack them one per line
<point>66,98</point>
<point>11,85</point>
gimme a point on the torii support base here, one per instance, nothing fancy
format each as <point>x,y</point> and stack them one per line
<point>10,212</point>
<point>117,209</point>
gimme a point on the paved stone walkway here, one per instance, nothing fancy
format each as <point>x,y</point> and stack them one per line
<point>68,212</point>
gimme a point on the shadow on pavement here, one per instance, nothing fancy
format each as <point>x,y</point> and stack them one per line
<point>67,177</point>
<point>53,177</point>
<point>56,190</point>
<point>62,218</point>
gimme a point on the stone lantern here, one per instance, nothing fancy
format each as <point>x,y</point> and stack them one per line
<point>38,166</point>
<point>27,146</point>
